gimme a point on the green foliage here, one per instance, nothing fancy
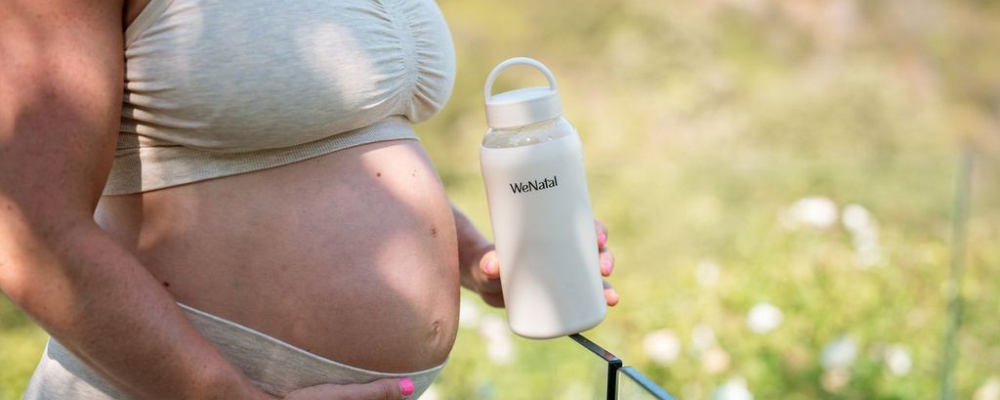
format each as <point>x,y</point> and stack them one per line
<point>20,348</point>
<point>703,122</point>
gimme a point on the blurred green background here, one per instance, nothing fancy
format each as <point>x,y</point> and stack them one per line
<point>779,178</point>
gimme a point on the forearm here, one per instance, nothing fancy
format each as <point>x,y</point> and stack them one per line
<point>471,245</point>
<point>93,296</point>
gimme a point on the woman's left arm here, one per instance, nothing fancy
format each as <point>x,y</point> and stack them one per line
<point>480,268</point>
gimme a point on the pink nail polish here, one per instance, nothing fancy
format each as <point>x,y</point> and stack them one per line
<point>406,386</point>
<point>607,267</point>
<point>491,266</point>
<point>602,239</point>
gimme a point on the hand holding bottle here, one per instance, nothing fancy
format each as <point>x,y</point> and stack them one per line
<point>487,276</point>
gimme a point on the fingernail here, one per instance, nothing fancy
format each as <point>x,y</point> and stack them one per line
<point>603,238</point>
<point>614,298</point>
<point>406,387</point>
<point>606,267</point>
<point>491,266</point>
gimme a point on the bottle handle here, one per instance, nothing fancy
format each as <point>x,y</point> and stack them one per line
<point>487,91</point>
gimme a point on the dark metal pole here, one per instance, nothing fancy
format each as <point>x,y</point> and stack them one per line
<point>614,363</point>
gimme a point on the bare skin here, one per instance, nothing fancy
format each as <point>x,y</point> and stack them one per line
<point>352,256</point>
<point>355,256</point>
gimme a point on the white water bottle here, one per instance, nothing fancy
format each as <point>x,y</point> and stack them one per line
<point>543,226</point>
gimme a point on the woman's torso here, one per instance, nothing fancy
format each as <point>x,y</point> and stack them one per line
<point>350,255</point>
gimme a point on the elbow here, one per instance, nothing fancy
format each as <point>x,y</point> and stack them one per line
<point>16,283</point>
<point>36,291</point>
<point>14,279</point>
<point>29,264</point>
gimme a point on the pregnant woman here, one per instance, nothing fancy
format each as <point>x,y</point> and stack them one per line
<point>212,199</point>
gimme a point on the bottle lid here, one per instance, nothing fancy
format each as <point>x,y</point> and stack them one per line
<point>522,106</point>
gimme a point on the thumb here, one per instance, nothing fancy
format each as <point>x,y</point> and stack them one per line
<point>490,264</point>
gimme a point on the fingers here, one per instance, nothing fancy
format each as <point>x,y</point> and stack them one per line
<point>607,258</point>
<point>490,264</point>
<point>607,262</point>
<point>383,389</point>
<point>610,295</point>
<point>493,299</point>
<point>602,234</point>
<point>406,387</point>
<point>490,289</point>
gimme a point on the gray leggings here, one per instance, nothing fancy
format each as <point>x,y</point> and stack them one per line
<point>275,366</point>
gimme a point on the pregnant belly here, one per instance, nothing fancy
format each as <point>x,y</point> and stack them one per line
<point>351,256</point>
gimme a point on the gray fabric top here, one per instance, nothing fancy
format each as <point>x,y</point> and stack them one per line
<point>220,87</point>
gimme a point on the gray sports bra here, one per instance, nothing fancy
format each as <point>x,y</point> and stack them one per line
<point>221,87</point>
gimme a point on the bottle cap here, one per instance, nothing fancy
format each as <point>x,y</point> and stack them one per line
<point>522,106</point>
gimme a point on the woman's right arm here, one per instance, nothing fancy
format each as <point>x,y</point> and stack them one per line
<point>61,66</point>
<point>61,76</point>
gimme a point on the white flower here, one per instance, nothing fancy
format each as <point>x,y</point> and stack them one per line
<point>716,361</point>
<point>702,337</point>
<point>989,391</point>
<point>499,346</point>
<point>707,273</point>
<point>864,234</point>
<point>816,211</point>
<point>839,353</point>
<point>468,314</point>
<point>733,389</point>
<point>662,346</point>
<point>856,217</point>
<point>764,318</point>
<point>897,358</point>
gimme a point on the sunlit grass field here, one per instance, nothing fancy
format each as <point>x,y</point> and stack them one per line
<point>779,179</point>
